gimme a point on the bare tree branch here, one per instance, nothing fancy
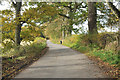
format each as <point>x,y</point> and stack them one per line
<point>64,15</point>
<point>13,3</point>
<point>114,9</point>
<point>67,7</point>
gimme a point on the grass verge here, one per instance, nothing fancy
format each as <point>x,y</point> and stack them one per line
<point>106,59</point>
<point>16,60</point>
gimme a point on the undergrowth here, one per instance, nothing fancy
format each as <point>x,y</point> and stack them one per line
<point>25,50</point>
<point>80,43</point>
<point>106,56</point>
<point>14,58</point>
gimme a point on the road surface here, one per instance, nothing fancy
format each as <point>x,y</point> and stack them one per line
<point>62,62</point>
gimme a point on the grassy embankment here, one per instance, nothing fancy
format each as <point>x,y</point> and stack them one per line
<point>13,60</point>
<point>106,56</point>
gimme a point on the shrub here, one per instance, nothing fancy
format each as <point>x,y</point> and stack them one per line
<point>39,40</point>
<point>7,44</point>
<point>71,41</point>
<point>56,41</point>
<point>89,39</point>
<point>75,46</point>
<point>26,50</point>
<point>75,42</point>
<point>112,46</point>
<point>37,45</point>
<point>105,38</point>
<point>81,43</point>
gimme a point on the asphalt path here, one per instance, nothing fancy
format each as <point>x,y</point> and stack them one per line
<point>62,62</point>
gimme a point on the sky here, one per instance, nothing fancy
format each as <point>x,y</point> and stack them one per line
<point>6,5</point>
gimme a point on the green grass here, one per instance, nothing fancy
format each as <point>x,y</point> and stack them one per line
<point>106,56</point>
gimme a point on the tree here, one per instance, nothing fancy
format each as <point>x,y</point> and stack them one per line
<point>8,29</point>
<point>17,7</point>
<point>42,13</point>
<point>92,17</point>
<point>71,13</point>
<point>54,29</point>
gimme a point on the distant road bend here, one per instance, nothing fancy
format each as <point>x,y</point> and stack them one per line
<point>62,62</point>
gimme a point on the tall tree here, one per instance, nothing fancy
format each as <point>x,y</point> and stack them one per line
<point>17,6</point>
<point>42,13</point>
<point>92,17</point>
<point>71,8</point>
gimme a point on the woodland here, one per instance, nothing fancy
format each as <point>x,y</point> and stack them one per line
<point>26,26</point>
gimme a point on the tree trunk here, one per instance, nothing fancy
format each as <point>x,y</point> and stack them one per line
<point>18,23</point>
<point>17,34</point>
<point>70,30</point>
<point>63,33</point>
<point>92,16</point>
<point>119,38</point>
<point>71,13</point>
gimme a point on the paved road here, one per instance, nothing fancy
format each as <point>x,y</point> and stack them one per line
<point>62,62</point>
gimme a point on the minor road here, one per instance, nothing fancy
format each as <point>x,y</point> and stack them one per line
<point>62,62</point>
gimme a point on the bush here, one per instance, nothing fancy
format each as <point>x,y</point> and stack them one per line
<point>7,44</point>
<point>36,47</point>
<point>75,46</point>
<point>100,40</point>
<point>75,42</point>
<point>39,40</point>
<point>112,46</point>
<point>71,41</point>
<point>106,38</point>
<point>56,41</point>
<point>26,50</point>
